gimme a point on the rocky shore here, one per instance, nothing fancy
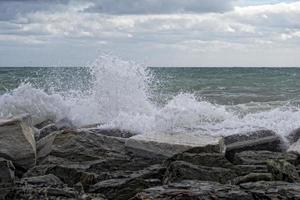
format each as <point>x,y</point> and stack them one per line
<point>56,160</point>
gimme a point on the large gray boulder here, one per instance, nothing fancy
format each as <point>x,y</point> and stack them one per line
<point>253,141</point>
<point>7,177</point>
<point>17,141</point>
<point>166,145</point>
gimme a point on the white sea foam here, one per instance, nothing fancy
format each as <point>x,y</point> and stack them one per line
<point>119,97</point>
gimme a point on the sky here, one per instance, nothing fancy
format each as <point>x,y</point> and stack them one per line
<point>186,33</point>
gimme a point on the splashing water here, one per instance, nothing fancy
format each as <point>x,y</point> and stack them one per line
<point>118,96</point>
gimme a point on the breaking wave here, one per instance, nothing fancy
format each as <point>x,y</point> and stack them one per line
<point>119,94</point>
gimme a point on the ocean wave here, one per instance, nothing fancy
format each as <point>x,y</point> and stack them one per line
<point>118,97</point>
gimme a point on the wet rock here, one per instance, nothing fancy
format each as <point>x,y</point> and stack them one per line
<point>261,157</point>
<point>17,141</point>
<point>167,145</point>
<point>48,179</point>
<point>7,177</point>
<point>272,190</point>
<point>255,141</point>
<point>282,170</point>
<point>74,147</point>
<point>180,170</point>
<point>47,130</point>
<point>191,189</point>
<point>253,177</point>
<point>203,159</point>
<point>294,136</point>
<point>43,123</point>
<point>72,176</point>
<point>125,188</point>
<point>113,132</point>
<point>242,170</point>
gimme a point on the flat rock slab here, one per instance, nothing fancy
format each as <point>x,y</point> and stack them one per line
<point>17,141</point>
<point>257,140</point>
<point>167,145</point>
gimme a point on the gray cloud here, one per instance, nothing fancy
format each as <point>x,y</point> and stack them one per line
<point>160,6</point>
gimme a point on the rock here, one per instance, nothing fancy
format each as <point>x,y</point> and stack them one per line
<point>17,141</point>
<point>7,177</point>
<point>125,188</point>
<point>112,132</point>
<point>294,136</point>
<point>48,179</point>
<point>252,177</point>
<point>191,189</point>
<point>82,147</point>
<point>47,130</point>
<point>203,159</point>
<point>43,123</point>
<point>282,170</point>
<point>295,148</point>
<point>272,190</point>
<point>167,145</point>
<point>72,176</point>
<point>258,140</point>
<point>180,170</point>
<point>261,157</point>
<point>242,170</point>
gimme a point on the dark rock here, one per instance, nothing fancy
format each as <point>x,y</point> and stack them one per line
<point>72,176</point>
<point>180,170</point>
<point>203,159</point>
<point>82,147</point>
<point>282,170</point>
<point>293,136</point>
<point>47,130</point>
<point>272,190</point>
<point>17,141</point>
<point>258,140</point>
<point>43,124</point>
<point>7,177</point>
<point>193,190</point>
<point>48,179</point>
<point>261,157</point>
<point>242,170</point>
<point>113,132</point>
<point>252,177</point>
<point>125,188</point>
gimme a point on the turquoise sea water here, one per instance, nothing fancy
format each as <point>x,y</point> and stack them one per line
<point>119,94</point>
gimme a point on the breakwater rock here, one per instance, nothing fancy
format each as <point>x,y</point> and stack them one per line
<point>56,160</point>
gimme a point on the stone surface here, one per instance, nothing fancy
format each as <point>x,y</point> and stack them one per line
<point>7,177</point>
<point>295,147</point>
<point>282,170</point>
<point>261,157</point>
<point>167,145</point>
<point>48,179</point>
<point>272,190</point>
<point>180,170</point>
<point>125,188</point>
<point>112,132</point>
<point>258,140</point>
<point>252,177</point>
<point>17,141</point>
<point>193,190</point>
<point>293,136</point>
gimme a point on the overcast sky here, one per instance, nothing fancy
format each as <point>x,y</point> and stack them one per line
<point>156,32</point>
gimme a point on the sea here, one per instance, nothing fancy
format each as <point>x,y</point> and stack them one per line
<point>116,93</point>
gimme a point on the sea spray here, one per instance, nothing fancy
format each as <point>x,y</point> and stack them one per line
<point>117,94</point>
